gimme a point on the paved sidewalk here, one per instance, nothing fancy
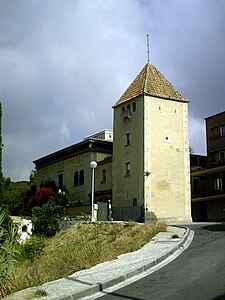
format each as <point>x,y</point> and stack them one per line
<point>88,282</point>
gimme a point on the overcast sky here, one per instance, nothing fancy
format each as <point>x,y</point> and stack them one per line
<point>64,63</point>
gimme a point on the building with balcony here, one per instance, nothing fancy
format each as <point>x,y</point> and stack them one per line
<point>208,184</point>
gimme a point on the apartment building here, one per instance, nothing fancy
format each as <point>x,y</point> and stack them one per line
<point>208,185</point>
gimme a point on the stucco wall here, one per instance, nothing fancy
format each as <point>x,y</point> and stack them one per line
<point>69,166</point>
<point>167,189</point>
<point>159,158</point>
<point>126,188</point>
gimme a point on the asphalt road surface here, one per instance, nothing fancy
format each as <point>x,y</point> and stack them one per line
<point>197,274</point>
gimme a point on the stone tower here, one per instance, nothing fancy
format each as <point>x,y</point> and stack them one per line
<point>151,166</point>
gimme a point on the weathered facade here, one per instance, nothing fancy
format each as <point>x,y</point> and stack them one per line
<point>151,167</point>
<point>70,169</point>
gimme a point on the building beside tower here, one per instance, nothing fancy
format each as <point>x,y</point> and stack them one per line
<point>146,169</point>
<point>69,168</point>
<point>208,182</point>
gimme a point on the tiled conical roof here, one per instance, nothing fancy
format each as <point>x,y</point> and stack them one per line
<point>150,82</point>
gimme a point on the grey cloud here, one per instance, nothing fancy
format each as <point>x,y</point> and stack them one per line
<point>65,63</point>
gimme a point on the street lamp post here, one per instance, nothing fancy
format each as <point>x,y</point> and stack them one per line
<point>93,165</point>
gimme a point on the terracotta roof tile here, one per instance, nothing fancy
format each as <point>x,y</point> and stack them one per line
<point>150,82</point>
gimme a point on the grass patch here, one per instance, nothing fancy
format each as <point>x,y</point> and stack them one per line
<point>80,247</point>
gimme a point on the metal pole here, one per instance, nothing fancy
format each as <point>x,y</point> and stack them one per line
<point>93,165</point>
<point>148,47</point>
<point>92,195</point>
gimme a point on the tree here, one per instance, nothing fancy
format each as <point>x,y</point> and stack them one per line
<point>46,218</point>
<point>33,176</point>
<point>6,183</point>
<point>1,176</point>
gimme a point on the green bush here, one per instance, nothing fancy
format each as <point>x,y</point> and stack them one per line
<point>46,218</point>
<point>33,248</point>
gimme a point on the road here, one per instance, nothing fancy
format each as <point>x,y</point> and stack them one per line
<point>197,274</point>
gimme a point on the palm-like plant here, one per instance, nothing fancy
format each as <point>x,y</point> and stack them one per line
<point>1,177</point>
<point>8,240</point>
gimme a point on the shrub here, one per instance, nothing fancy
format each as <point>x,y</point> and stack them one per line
<point>33,248</point>
<point>41,197</point>
<point>8,240</point>
<point>46,218</point>
<point>61,198</point>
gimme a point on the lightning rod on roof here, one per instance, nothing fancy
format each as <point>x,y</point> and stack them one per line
<point>148,47</point>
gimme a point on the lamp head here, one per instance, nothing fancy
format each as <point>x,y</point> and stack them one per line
<point>93,164</point>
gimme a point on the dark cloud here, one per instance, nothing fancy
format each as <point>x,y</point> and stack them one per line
<point>65,63</point>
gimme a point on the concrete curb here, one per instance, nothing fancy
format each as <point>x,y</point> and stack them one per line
<point>77,286</point>
<point>102,286</point>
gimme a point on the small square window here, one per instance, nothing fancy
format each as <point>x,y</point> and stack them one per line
<point>159,108</point>
<point>166,139</point>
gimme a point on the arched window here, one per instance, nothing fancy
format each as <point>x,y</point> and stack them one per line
<point>76,178</point>
<point>133,106</point>
<point>81,177</point>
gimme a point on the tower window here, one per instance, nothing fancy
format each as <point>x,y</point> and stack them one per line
<point>127,168</point>
<point>128,139</point>
<point>128,108</point>
<point>133,106</point>
<point>135,202</point>
<point>123,111</point>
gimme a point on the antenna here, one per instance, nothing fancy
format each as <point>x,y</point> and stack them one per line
<point>148,47</point>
